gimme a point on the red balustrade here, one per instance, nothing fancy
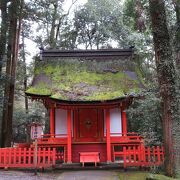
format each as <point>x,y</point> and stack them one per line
<point>141,156</point>
<point>25,157</point>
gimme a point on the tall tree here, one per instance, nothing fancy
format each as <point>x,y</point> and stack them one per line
<point>167,83</point>
<point>177,41</point>
<point>95,23</point>
<point>14,19</point>
<point>3,32</point>
<point>50,17</point>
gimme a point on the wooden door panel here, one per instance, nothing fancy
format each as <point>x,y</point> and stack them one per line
<point>88,124</point>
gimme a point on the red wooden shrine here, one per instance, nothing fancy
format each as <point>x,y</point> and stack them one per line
<point>85,127</point>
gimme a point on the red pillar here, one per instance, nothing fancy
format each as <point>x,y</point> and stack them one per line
<point>69,137</point>
<point>108,139</point>
<point>124,123</point>
<point>52,121</point>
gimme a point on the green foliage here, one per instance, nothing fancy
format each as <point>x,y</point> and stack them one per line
<point>144,117</point>
<point>132,175</point>
<point>95,21</point>
<point>22,120</point>
<point>129,14</point>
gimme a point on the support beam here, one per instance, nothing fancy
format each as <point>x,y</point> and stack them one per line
<point>124,123</point>
<point>69,138</point>
<point>108,138</point>
<point>52,121</point>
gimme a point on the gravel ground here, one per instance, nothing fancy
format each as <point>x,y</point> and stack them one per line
<point>27,175</point>
<point>89,175</point>
<point>59,175</point>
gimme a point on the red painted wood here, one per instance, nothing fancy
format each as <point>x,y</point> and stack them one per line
<point>24,157</point>
<point>74,125</point>
<point>124,123</point>
<point>88,125</point>
<point>108,139</point>
<point>77,148</point>
<point>69,137</point>
<point>89,157</point>
<point>100,124</point>
<point>52,121</point>
<point>142,156</point>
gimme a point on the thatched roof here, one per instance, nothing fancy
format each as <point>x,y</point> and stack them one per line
<point>91,75</point>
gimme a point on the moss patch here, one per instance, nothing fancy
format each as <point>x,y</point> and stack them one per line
<point>40,89</point>
<point>142,176</point>
<point>85,80</point>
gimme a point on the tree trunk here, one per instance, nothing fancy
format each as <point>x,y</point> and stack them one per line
<point>28,128</point>
<point>3,32</point>
<point>12,53</point>
<point>177,40</point>
<point>24,73</point>
<point>52,39</point>
<point>167,80</point>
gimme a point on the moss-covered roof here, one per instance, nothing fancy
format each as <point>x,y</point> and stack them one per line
<point>86,75</point>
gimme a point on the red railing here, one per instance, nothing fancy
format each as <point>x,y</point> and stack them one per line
<point>52,139</point>
<point>143,156</point>
<point>25,157</point>
<point>53,135</point>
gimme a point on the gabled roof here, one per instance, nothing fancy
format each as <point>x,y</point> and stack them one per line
<point>86,75</point>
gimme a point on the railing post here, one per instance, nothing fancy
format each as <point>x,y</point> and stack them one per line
<point>35,156</point>
<point>54,157</point>
<point>124,157</point>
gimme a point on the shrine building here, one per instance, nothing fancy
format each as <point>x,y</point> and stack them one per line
<point>87,93</point>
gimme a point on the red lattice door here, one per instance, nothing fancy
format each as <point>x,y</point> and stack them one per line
<point>88,124</point>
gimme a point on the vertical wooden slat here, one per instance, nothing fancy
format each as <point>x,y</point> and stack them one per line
<point>5,157</point>
<point>29,156</point>
<point>134,154</point>
<point>124,157</point>
<point>139,156</point>
<point>129,155</point>
<point>54,157</point>
<point>13,161</point>
<point>25,155</point>
<point>8,156</point>
<point>44,156</point>
<point>49,155</point>
<point>19,155</point>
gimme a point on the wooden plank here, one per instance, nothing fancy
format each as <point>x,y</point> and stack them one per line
<point>108,140</point>
<point>69,139</point>
<point>124,153</point>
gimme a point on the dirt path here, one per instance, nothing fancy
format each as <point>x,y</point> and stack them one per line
<point>59,175</point>
<point>26,175</point>
<point>89,175</point>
